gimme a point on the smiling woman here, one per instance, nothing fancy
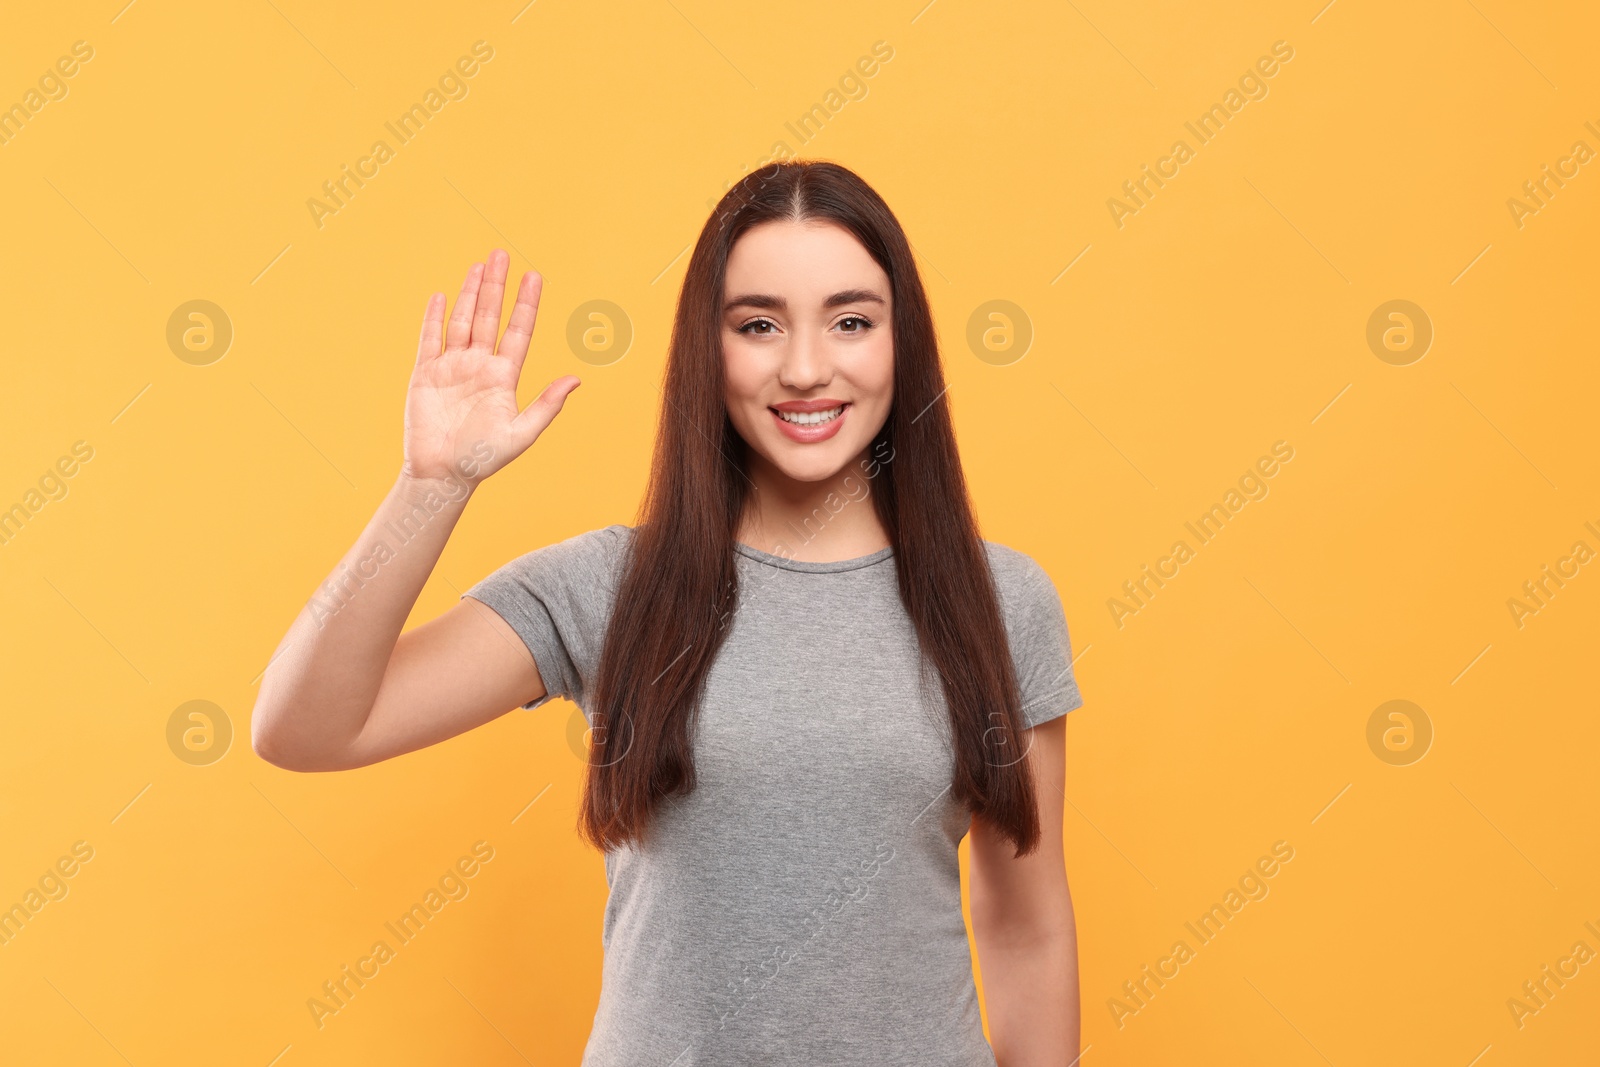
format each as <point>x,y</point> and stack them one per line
<point>770,725</point>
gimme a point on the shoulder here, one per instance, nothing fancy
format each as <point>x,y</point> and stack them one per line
<point>582,559</point>
<point>1029,602</point>
<point>602,543</point>
<point>1036,630</point>
<point>558,599</point>
<point>1018,577</point>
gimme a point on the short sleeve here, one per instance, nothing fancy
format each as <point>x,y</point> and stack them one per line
<point>1036,627</point>
<point>558,599</point>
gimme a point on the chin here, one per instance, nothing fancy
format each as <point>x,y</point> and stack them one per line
<point>809,463</point>
<point>813,468</point>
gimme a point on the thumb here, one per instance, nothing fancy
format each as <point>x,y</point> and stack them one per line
<point>532,420</point>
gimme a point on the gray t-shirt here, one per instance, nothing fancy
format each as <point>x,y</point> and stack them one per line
<point>803,904</point>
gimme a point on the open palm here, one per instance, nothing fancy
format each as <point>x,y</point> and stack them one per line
<point>462,421</point>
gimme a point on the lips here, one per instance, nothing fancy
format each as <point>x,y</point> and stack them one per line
<point>814,422</point>
<point>821,403</point>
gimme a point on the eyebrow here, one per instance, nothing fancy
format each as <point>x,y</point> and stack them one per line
<point>778,303</point>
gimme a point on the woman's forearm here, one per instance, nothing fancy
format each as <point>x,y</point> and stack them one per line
<point>1030,983</point>
<point>462,423</point>
<point>325,674</point>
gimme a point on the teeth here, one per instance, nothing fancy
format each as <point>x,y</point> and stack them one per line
<point>811,418</point>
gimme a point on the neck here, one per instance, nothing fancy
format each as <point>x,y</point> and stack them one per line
<point>819,522</point>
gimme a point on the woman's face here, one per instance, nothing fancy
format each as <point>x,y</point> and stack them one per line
<point>806,332</point>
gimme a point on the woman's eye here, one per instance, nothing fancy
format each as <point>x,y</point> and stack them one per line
<point>866,323</point>
<point>750,327</point>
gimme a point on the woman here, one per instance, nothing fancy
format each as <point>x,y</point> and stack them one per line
<point>800,703</point>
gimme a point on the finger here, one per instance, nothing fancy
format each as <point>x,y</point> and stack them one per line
<point>460,331</point>
<point>532,420</point>
<point>432,329</point>
<point>520,329</point>
<point>486,323</point>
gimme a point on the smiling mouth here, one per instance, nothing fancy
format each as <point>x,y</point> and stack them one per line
<point>810,418</point>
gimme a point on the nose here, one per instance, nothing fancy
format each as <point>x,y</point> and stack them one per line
<point>805,364</point>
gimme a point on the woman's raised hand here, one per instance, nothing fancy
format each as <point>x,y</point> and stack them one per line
<point>462,422</point>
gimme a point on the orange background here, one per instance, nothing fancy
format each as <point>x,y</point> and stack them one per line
<point>1167,355</point>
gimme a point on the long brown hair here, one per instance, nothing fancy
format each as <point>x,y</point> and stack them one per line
<point>680,585</point>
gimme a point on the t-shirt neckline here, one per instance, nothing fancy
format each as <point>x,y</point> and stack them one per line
<point>813,566</point>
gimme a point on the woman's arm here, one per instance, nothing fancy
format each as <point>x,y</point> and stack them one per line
<point>345,688</point>
<point>1023,924</point>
